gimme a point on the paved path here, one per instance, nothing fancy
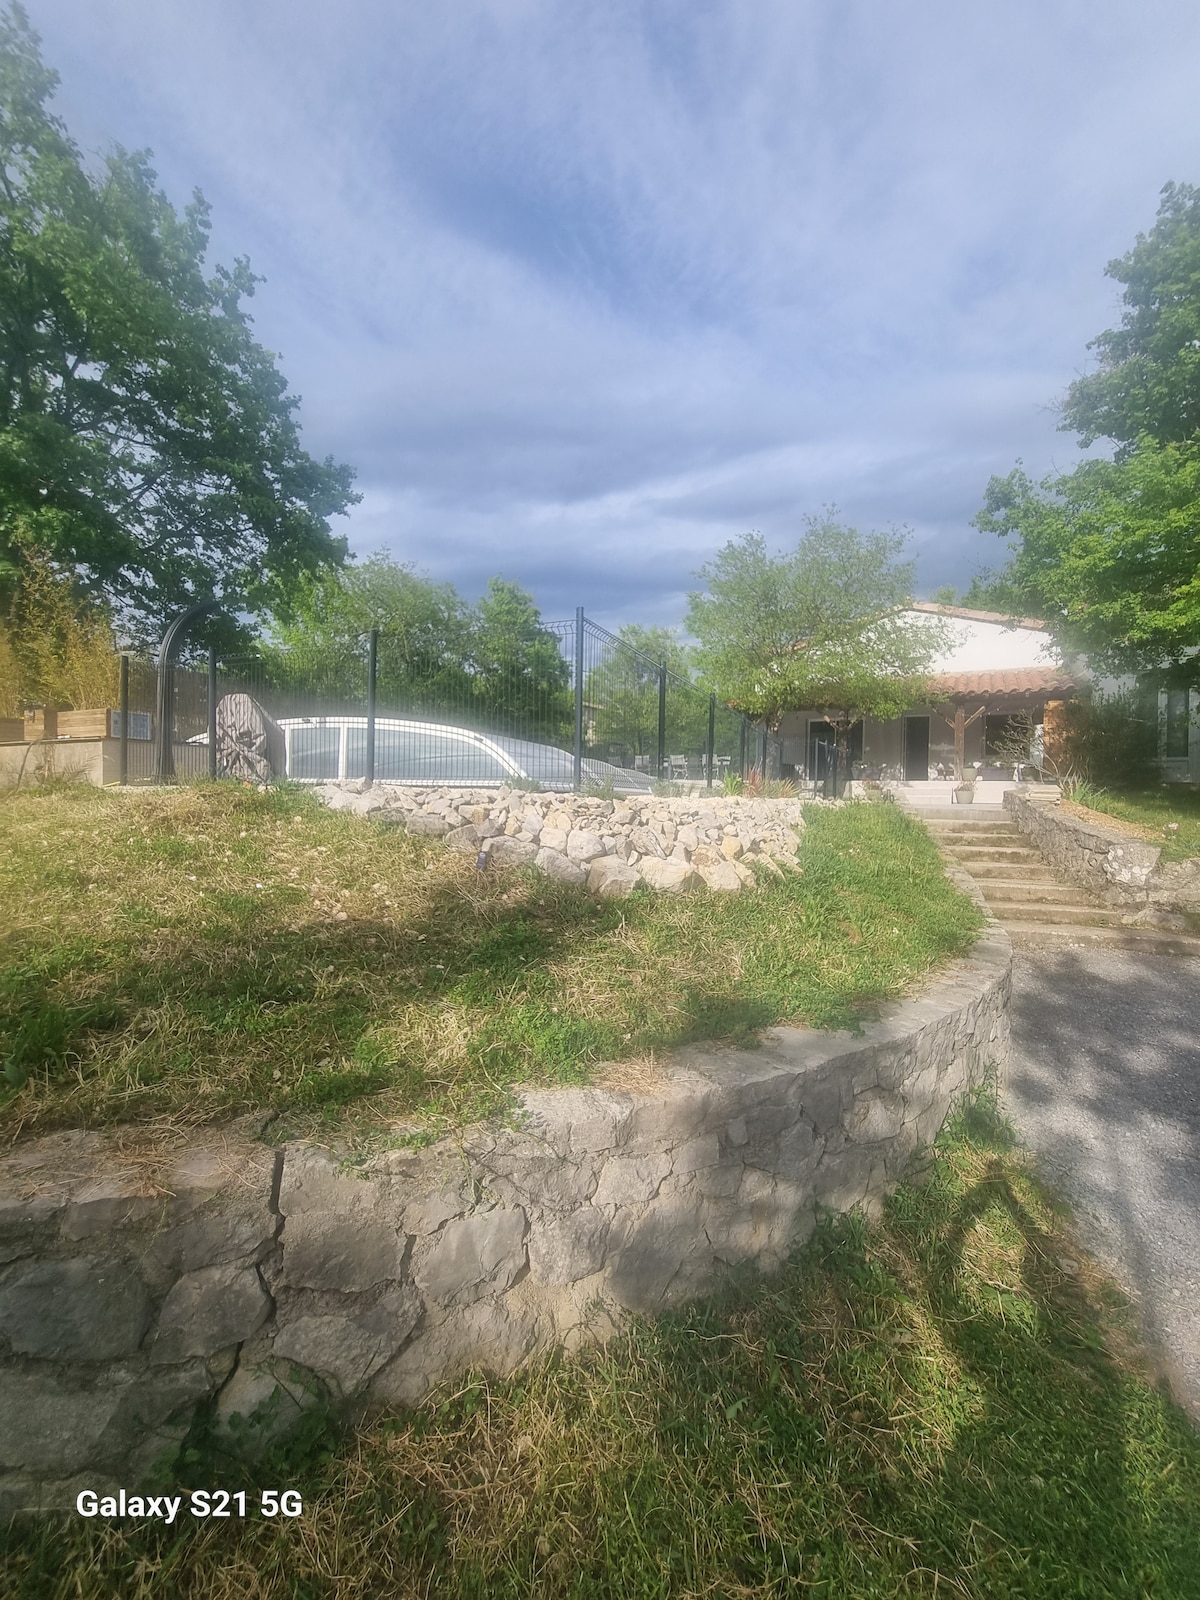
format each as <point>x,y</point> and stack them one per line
<point>1104,1084</point>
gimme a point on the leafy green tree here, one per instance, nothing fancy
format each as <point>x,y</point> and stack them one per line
<point>820,626</point>
<point>1147,380</point>
<point>426,637</point>
<point>495,665</point>
<point>520,680</point>
<point>147,442</point>
<point>1110,552</point>
<point>621,695</point>
<point>1110,555</point>
<point>56,645</point>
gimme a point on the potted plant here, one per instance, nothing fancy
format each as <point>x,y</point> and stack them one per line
<point>964,789</point>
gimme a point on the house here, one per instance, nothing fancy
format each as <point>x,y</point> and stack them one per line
<point>992,668</point>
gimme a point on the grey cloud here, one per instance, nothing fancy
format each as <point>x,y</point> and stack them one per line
<point>589,290</point>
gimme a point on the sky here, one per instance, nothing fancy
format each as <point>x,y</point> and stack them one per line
<point>585,289</point>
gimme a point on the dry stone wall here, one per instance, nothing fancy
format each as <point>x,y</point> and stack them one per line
<point>672,844</point>
<point>264,1280</point>
<point>1120,871</point>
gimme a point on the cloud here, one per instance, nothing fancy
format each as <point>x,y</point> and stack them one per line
<point>586,289</point>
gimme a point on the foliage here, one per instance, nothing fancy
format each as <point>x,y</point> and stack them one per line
<point>146,440</point>
<point>819,626</point>
<point>621,694</point>
<point>1168,816</point>
<point>944,1403</point>
<point>763,788</point>
<point>56,646</point>
<point>993,591</point>
<point>519,677</point>
<point>258,951</point>
<point>1107,739</point>
<point>1148,377</point>
<point>322,640</point>
<point>494,664</point>
<point>1110,553</point>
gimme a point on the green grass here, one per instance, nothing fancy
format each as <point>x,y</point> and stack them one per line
<point>1169,816</point>
<point>943,1404</point>
<point>211,951</point>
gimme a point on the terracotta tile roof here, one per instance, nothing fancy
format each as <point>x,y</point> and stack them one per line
<point>1030,681</point>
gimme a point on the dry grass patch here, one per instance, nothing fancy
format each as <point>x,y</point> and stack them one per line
<point>192,954</point>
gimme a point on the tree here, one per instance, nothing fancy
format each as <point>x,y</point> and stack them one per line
<point>495,665</point>
<point>621,694</point>
<point>56,646</point>
<point>521,682</point>
<point>820,626</point>
<point>1110,552</point>
<point>425,646</point>
<point>1110,555</point>
<point>147,442</point>
<point>1148,378</point>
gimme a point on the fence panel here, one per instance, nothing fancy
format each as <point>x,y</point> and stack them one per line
<point>516,703</point>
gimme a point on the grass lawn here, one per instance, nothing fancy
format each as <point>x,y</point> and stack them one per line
<point>945,1404</point>
<point>1169,816</point>
<point>188,954</point>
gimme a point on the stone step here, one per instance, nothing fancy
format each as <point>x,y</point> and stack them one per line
<point>954,838</point>
<point>1022,911</point>
<point>967,853</point>
<point>999,891</point>
<point>1149,941</point>
<point>965,820</point>
<point>1025,871</point>
<point>957,813</point>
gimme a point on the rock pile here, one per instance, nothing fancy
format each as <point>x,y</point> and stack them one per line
<point>672,844</point>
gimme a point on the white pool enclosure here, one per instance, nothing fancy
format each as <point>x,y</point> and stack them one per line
<point>323,749</point>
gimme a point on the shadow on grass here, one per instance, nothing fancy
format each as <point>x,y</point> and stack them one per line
<point>444,1010</point>
<point>920,1408</point>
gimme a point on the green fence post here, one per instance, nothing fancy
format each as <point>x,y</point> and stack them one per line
<point>124,719</point>
<point>212,714</point>
<point>578,769</point>
<point>662,717</point>
<point>372,672</point>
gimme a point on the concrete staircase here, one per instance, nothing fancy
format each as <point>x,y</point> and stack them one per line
<point>1036,907</point>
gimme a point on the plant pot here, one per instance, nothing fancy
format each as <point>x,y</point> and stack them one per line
<point>965,794</point>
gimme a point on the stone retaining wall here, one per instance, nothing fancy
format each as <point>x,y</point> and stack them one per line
<point>1120,871</point>
<point>672,844</point>
<point>133,1288</point>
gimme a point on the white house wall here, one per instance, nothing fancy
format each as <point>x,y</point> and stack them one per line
<point>992,647</point>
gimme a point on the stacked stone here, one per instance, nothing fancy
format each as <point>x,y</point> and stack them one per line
<point>673,845</point>
<point>267,1281</point>
<point>1120,871</point>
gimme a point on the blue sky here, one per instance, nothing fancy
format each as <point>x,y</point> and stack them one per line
<point>585,288</point>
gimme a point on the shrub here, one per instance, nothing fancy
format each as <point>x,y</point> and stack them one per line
<point>1107,740</point>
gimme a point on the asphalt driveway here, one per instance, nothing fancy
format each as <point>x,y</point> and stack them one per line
<point>1104,1085</point>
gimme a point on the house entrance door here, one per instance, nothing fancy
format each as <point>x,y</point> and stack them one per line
<point>916,749</point>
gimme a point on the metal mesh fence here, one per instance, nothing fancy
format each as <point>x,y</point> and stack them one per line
<point>558,705</point>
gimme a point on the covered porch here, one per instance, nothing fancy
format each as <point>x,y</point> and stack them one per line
<point>967,727</point>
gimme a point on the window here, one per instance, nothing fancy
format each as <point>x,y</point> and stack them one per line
<point>422,755</point>
<point>313,752</point>
<point>1176,742</point>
